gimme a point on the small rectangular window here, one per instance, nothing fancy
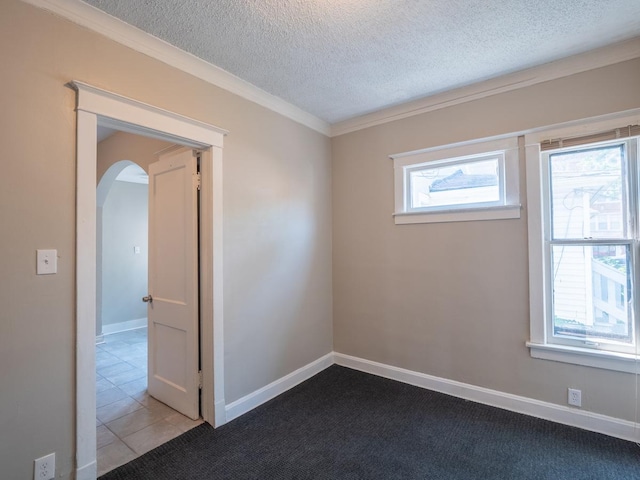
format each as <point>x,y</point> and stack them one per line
<point>468,182</point>
<point>462,182</point>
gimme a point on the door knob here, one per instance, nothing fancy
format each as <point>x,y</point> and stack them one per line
<point>148,298</point>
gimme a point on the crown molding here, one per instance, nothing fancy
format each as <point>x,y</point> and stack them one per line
<point>98,21</point>
<point>601,57</point>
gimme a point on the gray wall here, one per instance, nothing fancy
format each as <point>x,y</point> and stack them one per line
<point>452,299</point>
<point>277,226</point>
<point>124,273</point>
<point>399,296</point>
<point>118,147</point>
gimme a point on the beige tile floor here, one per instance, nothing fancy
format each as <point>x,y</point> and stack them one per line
<point>128,421</point>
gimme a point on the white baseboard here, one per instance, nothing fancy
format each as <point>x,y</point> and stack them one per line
<point>99,339</point>
<point>124,326</point>
<point>594,422</point>
<point>88,472</point>
<point>266,393</point>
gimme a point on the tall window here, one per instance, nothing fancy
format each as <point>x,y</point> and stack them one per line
<point>584,233</point>
<point>590,243</point>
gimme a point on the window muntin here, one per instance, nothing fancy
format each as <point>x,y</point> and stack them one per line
<point>590,241</point>
<point>464,182</point>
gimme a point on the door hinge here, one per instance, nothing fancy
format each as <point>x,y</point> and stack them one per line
<point>200,379</point>
<point>198,180</point>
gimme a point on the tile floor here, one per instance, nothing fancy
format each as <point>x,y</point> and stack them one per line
<point>128,421</point>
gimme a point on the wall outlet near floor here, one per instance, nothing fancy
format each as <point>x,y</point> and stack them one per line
<point>575,397</point>
<point>45,467</point>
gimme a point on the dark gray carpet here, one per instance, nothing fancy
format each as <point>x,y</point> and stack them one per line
<point>344,424</point>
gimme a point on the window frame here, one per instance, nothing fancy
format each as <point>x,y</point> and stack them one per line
<point>509,182</point>
<point>540,295</point>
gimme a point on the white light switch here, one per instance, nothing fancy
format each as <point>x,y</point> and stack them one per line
<point>47,262</point>
<point>136,250</point>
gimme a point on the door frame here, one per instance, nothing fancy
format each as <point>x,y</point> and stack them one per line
<point>96,106</point>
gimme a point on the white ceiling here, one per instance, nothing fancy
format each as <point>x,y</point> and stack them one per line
<point>104,133</point>
<point>133,174</point>
<point>338,59</point>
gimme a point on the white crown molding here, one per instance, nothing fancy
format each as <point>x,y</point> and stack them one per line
<point>601,57</point>
<point>94,19</point>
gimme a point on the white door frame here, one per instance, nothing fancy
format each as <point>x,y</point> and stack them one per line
<point>95,106</point>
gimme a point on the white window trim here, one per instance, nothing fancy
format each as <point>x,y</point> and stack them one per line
<point>511,207</point>
<point>539,297</point>
<point>621,362</point>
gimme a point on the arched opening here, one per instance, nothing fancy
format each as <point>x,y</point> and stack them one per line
<point>121,260</point>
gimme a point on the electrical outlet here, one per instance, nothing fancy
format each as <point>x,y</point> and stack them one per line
<point>45,467</point>
<point>575,397</point>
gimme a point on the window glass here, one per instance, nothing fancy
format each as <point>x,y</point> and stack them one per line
<point>584,232</point>
<point>463,182</point>
<point>588,197</point>
<point>456,184</point>
<point>584,304</point>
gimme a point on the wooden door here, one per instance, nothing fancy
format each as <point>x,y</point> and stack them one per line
<point>173,282</point>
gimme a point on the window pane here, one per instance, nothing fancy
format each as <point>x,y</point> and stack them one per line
<point>588,199</point>
<point>457,184</point>
<point>591,293</point>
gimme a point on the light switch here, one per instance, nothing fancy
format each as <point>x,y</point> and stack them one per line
<point>47,262</point>
<point>136,250</point>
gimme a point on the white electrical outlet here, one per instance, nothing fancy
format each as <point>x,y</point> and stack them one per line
<point>575,397</point>
<point>45,467</point>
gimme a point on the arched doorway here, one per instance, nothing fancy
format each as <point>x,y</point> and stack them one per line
<point>121,260</point>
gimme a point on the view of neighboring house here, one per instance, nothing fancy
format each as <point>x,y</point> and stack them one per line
<point>590,279</point>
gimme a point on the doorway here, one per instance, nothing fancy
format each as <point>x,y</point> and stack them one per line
<point>129,420</point>
<point>94,107</point>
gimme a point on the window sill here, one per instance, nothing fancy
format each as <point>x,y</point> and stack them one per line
<point>501,212</point>
<point>620,362</point>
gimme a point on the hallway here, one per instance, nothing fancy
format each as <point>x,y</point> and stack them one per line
<point>129,422</point>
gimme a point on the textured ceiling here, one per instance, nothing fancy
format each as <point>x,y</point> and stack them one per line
<point>338,59</point>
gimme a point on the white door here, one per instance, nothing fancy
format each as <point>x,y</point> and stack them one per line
<point>173,282</point>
